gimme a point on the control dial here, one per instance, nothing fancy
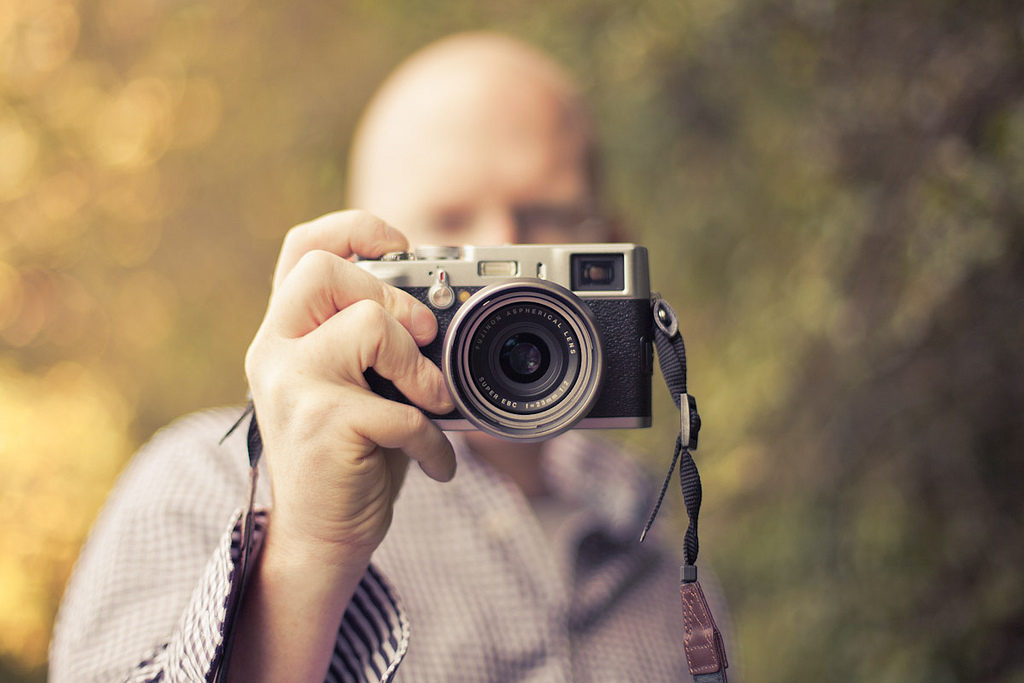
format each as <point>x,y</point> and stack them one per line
<point>430,252</point>
<point>398,256</point>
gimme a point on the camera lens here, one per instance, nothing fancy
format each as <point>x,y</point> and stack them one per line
<point>523,359</point>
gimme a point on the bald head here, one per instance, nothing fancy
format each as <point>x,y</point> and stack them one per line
<point>464,133</point>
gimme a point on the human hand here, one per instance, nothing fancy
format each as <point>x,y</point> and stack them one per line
<point>337,452</point>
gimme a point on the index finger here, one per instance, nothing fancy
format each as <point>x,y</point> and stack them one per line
<point>322,284</point>
<point>344,233</point>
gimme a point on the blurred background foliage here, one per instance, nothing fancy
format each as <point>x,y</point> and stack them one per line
<point>833,191</point>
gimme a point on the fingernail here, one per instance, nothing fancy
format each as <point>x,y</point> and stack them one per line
<point>424,325</point>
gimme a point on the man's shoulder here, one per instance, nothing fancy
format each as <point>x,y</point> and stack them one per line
<point>204,428</point>
<point>191,455</point>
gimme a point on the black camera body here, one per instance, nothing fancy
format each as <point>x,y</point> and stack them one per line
<point>533,339</point>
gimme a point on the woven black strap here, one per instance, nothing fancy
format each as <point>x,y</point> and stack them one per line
<point>255,448</point>
<point>672,360</point>
<point>702,640</point>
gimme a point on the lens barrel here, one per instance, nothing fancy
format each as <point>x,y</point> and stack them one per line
<point>523,359</point>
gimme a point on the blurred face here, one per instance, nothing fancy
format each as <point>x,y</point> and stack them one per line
<point>480,159</point>
<point>478,143</point>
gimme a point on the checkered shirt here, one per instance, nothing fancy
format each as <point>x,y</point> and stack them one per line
<point>467,585</point>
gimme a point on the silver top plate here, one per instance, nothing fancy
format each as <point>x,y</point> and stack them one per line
<point>550,262</point>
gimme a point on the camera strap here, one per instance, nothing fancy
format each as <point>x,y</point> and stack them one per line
<point>702,640</point>
<point>254,444</point>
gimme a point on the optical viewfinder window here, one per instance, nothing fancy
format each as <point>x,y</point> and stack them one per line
<point>598,272</point>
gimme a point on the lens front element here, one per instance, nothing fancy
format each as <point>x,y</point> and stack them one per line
<point>523,359</point>
<point>524,356</point>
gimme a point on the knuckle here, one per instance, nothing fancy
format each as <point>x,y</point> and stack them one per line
<point>370,313</point>
<point>251,359</point>
<point>397,300</point>
<point>256,355</point>
<point>297,235</point>
<point>392,298</point>
<point>414,420</point>
<point>317,266</point>
<point>317,261</point>
<point>427,370</point>
<point>267,382</point>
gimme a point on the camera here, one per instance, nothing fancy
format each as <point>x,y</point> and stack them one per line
<point>533,339</point>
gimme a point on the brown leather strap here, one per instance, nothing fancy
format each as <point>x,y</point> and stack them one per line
<point>702,641</point>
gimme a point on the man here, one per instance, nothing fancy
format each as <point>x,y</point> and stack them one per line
<point>522,567</point>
